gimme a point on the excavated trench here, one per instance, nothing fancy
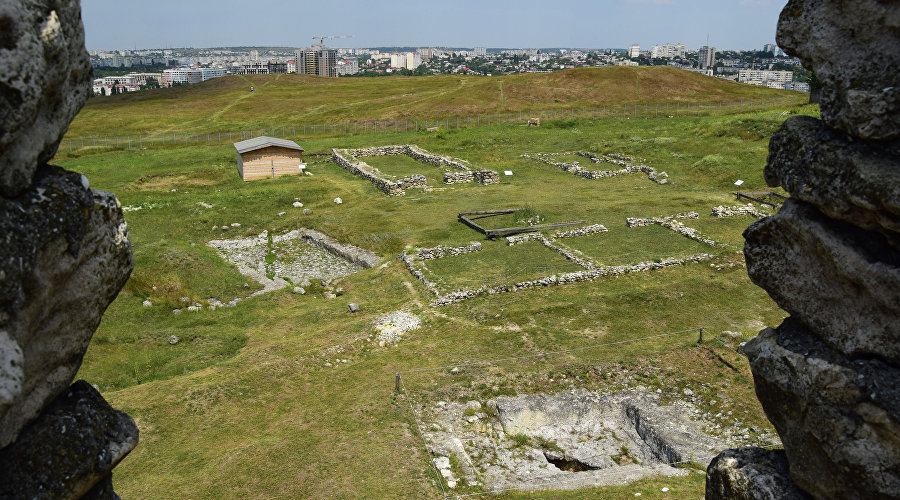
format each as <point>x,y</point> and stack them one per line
<point>576,438</point>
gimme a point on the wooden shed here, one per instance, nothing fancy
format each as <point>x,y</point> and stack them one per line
<point>263,157</point>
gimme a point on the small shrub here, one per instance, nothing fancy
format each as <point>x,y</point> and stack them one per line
<point>521,439</point>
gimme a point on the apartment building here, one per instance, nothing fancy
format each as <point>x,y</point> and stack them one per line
<point>669,50</point>
<point>707,57</point>
<point>764,77</point>
<point>317,60</point>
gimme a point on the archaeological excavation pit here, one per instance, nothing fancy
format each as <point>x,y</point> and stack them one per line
<point>295,257</point>
<point>569,440</point>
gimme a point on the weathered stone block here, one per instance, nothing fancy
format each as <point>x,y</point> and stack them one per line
<point>839,419</point>
<point>851,180</point>
<point>65,258</point>
<point>70,450</point>
<point>854,48</point>
<point>840,281</point>
<point>751,474</point>
<point>45,77</point>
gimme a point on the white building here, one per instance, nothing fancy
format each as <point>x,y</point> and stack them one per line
<point>183,76</point>
<point>398,60</point>
<point>413,60</point>
<point>668,50</point>
<point>634,51</point>
<point>348,67</point>
<point>764,77</point>
<point>209,73</point>
<point>798,86</point>
<point>480,51</point>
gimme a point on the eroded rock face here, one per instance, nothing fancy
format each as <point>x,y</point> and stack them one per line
<point>45,77</point>
<point>751,474</point>
<point>827,378</point>
<point>847,179</point>
<point>69,450</point>
<point>65,258</point>
<point>839,419</point>
<point>841,281</point>
<point>854,48</point>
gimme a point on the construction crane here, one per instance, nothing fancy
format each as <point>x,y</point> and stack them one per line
<point>321,39</point>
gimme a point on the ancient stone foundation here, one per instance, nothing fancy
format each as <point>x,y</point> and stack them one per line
<point>65,255</point>
<point>829,376</point>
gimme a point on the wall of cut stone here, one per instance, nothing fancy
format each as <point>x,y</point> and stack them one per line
<point>827,377</point>
<point>66,255</point>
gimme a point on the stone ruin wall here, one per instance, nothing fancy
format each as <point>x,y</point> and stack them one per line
<point>363,170</point>
<point>827,377</point>
<point>415,264</point>
<point>66,256</point>
<point>460,171</point>
<point>616,159</point>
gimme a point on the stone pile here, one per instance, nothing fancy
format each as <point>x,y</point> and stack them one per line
<point>441,251</point>
<point>827,377</point>
<point>392,326</point>
<point>65,256</point>
<point>737,211</point>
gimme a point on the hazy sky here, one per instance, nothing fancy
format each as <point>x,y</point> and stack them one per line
<point>731,24</point>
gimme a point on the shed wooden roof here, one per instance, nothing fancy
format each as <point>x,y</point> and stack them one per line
<point>264,142</point>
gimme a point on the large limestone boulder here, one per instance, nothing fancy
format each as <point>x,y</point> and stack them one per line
<point>851,180</point>
<point>839,419</point>
<point>65,256</point>
<point>45,77</point>
<point>751,474</point>
<point>840,281</point>
<point>854,48</point>
<point>69,450</point>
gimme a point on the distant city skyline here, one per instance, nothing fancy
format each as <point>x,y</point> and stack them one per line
<point>730,24</point>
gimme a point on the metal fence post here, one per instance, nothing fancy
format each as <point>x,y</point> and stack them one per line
<point>397,382</point>
<point>701,336</point>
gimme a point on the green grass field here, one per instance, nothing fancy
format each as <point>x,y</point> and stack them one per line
<point>497,264</point>
<point>621,245</point>
<point>398,166</point>
<point>245,405</point>
<point>223,104</point>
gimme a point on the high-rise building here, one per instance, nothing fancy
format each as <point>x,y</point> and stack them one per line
<point>317,60</point>
<point>398,60</point>
<point>634,51</point>
<point>707,56</point>
<point>480,51</point>
<point>413,60</point>
<point>770,47</point>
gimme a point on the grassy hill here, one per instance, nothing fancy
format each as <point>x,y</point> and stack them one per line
<point>255,401</point>
<point>226,103</point>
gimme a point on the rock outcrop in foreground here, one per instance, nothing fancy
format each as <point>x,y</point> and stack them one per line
<point>829,376</point>
<point>64,256</point>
